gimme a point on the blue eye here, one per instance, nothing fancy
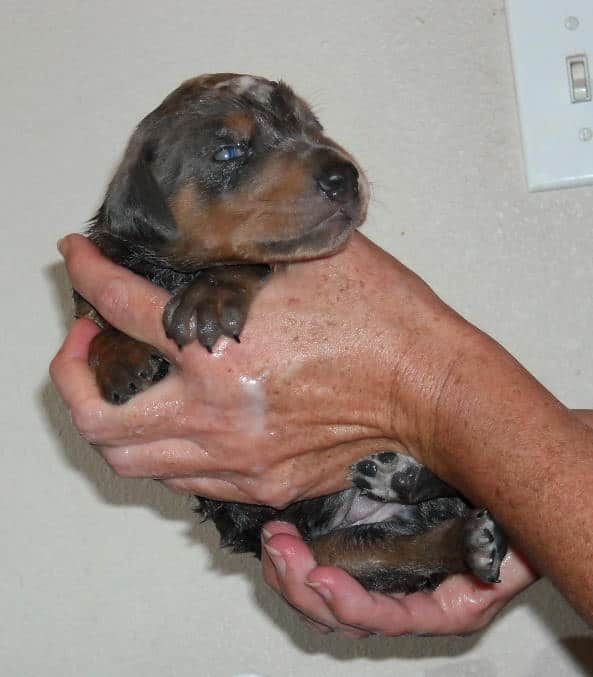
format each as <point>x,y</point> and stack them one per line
<point>227,153</point>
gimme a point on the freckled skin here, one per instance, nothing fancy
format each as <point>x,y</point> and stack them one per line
<point>526,431</point>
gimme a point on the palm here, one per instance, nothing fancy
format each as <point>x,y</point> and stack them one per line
<point>332,600</point>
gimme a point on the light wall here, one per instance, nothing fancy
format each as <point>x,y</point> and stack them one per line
<point>103,576</point>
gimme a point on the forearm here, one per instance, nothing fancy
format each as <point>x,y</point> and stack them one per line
<point>509,445</point>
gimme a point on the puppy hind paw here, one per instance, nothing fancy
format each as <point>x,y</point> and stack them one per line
<point>125,367</point>
<point>485,546</point>
<point>387,475</point>
<point>392,476</point>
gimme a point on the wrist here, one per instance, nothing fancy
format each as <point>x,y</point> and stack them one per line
<point>427,392</point>
<point>488,409</point>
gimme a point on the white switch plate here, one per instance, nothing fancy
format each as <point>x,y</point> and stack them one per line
<point>557,134</point>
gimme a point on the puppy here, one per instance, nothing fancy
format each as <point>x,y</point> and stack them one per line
<point>229,176</point>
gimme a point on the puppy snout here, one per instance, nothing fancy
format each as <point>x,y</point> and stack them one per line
<point>339,181</point>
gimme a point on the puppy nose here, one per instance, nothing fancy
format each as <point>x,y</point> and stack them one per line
<point>339,181</point>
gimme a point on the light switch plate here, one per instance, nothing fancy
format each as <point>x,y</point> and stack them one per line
<point>557,133</point>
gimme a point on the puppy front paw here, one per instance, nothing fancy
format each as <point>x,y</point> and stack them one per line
<point>205,312</point>
<point>123,366</point>
<point>215,304</point>
<point>392,476</point>
<point>485,546</point>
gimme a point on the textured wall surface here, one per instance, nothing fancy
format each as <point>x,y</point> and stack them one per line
<point>103,576</point>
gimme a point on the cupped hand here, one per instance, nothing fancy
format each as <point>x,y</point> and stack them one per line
<point>340,357</point>
<point>331,600</point>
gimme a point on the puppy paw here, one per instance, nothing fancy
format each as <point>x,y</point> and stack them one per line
<point>123,366</point>
<point>205,312</point>
<point>391,476</point>
<point>215,304</point>
<point>485,546</point>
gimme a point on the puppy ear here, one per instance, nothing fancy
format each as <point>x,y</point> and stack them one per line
<point>135,206</point>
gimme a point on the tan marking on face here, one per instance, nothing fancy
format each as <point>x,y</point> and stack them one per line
<point>242,123</point>
<point>280,203</point>
<point>185,207</point>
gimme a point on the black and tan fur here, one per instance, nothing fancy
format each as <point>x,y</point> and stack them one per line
<point>229,176</point>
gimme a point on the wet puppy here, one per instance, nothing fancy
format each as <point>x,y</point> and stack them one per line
<point>229,176</point>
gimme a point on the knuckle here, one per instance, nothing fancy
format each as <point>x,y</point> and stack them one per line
<point>117,460</point>
<point>346,614</point>
<point>178,486</point>
<point>87,419</point>
<point>472,622</point>
<point>272,487</point>
<point>75,265</point>
<point>112,299</point>
<point>54,367</point>
<point>272,495</point>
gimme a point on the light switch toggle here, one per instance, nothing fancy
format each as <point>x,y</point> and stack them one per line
<point>578,78</point>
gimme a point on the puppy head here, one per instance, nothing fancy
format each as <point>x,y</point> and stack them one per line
<point>233,168</point>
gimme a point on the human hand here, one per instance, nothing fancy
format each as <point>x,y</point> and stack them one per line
<point>312,387</point>
<point>340,357</point>
<point>331,600</point>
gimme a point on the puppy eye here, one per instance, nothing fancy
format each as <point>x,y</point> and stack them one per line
<point>227,153</point>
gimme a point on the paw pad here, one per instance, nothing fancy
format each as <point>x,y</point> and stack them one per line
<point>485,545</point>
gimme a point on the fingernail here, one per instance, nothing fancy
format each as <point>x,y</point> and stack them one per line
<point>266,535</point>
<point>277,559</point>
<point>321,589</point>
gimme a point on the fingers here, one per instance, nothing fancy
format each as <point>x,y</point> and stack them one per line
<point>287,562</point>
<point>98,421</point>
<point>162,459</point>
<point>209,487</point>
<point>125,300</point>
<point>353,605</point>
<point>461,605</point>
<point>69,369</point>
<point>144,419</point>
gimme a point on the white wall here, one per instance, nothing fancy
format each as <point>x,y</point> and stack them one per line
<point>110,577</point>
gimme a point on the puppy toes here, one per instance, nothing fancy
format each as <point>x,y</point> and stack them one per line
<point>202,312</point>
<point>215,304</point>
<point>123,366</point>
<point>392,476</point>
<point>485,546</point>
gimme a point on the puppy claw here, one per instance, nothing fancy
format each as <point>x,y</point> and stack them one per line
<point>215,304</point>
<point>485,545</point>
<point>123,366</point>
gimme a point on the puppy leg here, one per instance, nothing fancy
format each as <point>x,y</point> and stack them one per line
<point>216,303</point>
<point>394,477</point>
<point>391,476</point>
<point>123,366</point>
<point>384,560</point>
